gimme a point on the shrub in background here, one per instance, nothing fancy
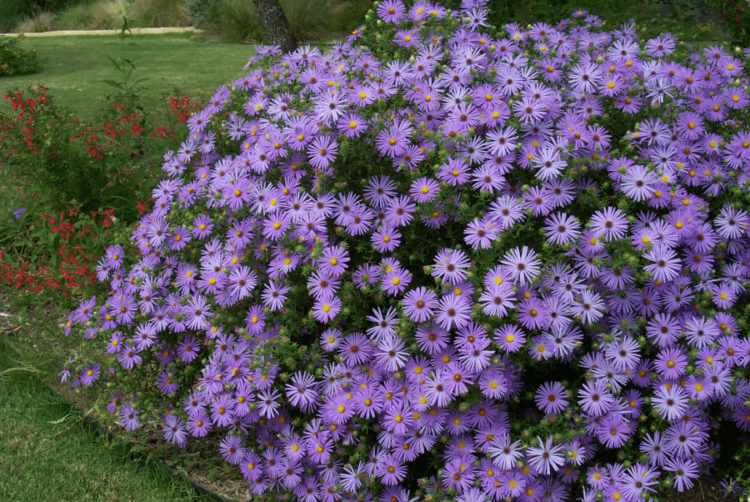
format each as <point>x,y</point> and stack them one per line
<point>16,59</point>
<point>157,13</point>
<point>198,11</point>
<point>237,20</point>
<point>447,262</point>
<point>14,11</point>
<point>736,21</point>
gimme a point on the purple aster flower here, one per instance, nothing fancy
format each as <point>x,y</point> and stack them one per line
<point>400,211</point>
<point>128,357</point>
<point>166,383</point>
<point>431,338</point>
<point>590,309</point>
<point>386,239</point>
<point>355,349</point>
<point>454,172</point>
<point>391,11</point>
<point>670,401</point>
<point>115,343</point>
<point>174,430</point>
<point>395,281</point>
<point>562,228</point>
<point>384,324</point>
<point>326,308</point>
<point>534,313</point>
<point>322,152</point>
<point>479,234</point>
<point>685,471</point>
<point>334,260</point>
<point>551,397</point>
<point>90,374</point>
<point>302,392</point>
<point>505,453</point>
<point>352,125</point>
<point>546,458</point>
<point>394,140</point>
<point>241,282</point>
<point>450,265</point>
<point>187,350</point>
<point>613,431</point>
<point>497,299</point>
<point>453,311</point>
<point>420,304</point>
<point>510,338</point>
<point>390,471</point>
<point>522,264</point>
<point>267,401</point>
<point>199,424</point>
<point>611,222</point>
<point>231,449</point>
<point>85,310</point>
<point>129,417</point>
<point>196,313</point>
<point>623,353</point>
<point>732,223</point>
<point>665,264</point>
<point>274,295</point>
<point>391,354</point>
<point>424,190</point>
<point>595,398</point>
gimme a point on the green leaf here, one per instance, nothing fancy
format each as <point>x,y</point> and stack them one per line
<point>113,83</point>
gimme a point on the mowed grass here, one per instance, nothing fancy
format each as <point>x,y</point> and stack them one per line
<point>75,67</point>
<point>47,454</point>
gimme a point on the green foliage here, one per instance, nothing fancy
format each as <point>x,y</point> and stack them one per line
<point>157,13</point>
<point>69,163</point>
<point>736,14</point>
<point>15,59</point>
<point>12,11</point>
<point>198,11</point>
<point>237,20</point>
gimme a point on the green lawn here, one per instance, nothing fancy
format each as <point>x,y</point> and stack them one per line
<point>46,454</point>
<point>75,67</point>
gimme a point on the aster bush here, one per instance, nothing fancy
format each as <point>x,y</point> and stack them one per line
<point>445,261</point>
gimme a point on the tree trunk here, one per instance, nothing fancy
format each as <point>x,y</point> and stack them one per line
<point>276,24</point>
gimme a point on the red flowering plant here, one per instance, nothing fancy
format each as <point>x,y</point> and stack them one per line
<point>447,262</point>
<point>73,181</point>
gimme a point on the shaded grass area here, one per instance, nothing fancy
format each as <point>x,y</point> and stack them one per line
<point>47,453</point>
<point>75,67</point>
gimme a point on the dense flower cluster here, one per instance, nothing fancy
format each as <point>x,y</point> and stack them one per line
<point>441,261</point>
